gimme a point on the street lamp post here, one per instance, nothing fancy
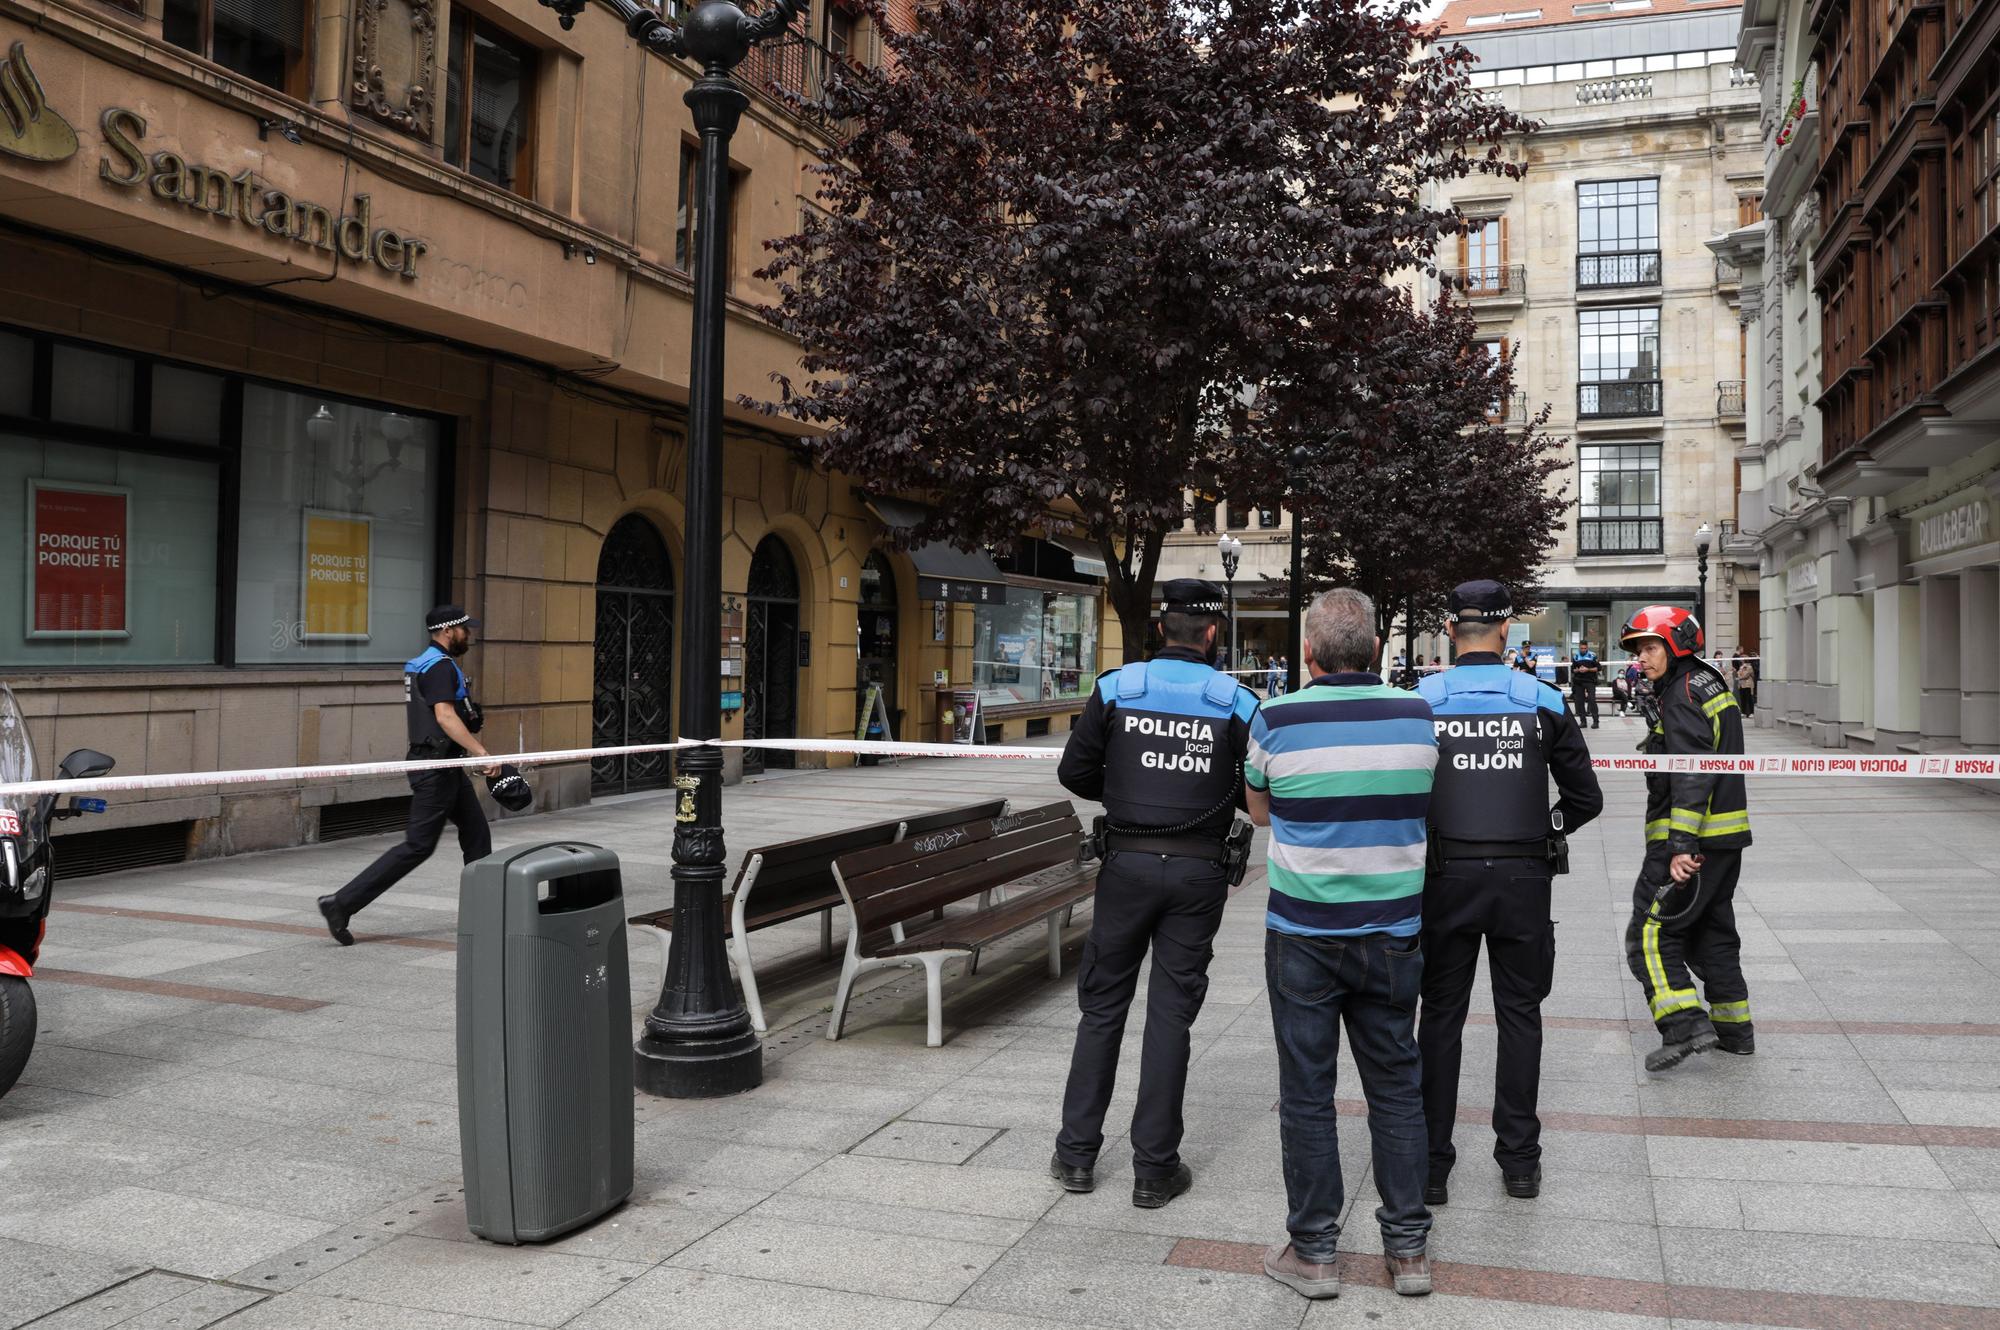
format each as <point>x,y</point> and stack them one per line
<point>1299,458</point>
<point>1231,550</point>
<point>1702,539</point>
<point>698,1042</point>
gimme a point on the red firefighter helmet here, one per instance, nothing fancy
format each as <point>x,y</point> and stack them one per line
<point>1679,629</point>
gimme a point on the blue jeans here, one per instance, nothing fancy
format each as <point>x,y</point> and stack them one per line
<point>1372,982</point>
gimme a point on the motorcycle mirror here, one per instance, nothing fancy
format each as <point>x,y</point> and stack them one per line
<point>85,763</point>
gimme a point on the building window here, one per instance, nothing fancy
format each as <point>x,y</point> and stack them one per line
<point>489,84</point>
<point>198,519</point>
<point>1618,234</point>
<point>1037,646</point>
<point>1618,362</point>
<point>1749,209</point>
<point>1482,257</point>
<point>687,204</point>
<point>263,40</point>
<point>1620,512</point>
<point>840,33</point>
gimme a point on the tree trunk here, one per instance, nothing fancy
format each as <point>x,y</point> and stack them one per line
<point>1130,590</point>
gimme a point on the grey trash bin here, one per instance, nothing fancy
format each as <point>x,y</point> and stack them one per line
<point>544,1041</point>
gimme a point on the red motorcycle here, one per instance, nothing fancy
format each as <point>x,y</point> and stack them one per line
<point>28,876</point>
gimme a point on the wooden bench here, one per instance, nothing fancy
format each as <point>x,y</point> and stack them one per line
<point>792,879</point>
<point>888,890</point>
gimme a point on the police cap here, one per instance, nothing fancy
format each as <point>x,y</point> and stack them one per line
<point>442,617</point>
<point>1484,601</point>
<point>1191,595</point>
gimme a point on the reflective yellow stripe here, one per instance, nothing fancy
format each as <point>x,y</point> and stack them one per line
<point>1737,1012</point>
<point>1665,1001</point>
<point>1726,824</point>
<point>1682,999</point>
<point>1686,819</point>
<point>1716,705</point>
<point>1656,829</point>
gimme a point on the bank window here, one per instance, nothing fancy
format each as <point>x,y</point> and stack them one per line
<point>336,542</point>
<point>263,40</point>
<point>686,205</point>
<point>1618,362</point>
<point>1036,646</point>
<point>489,85</point>
<point>1617,233</point>
<point>1620,509</point>
<point>200,518</point>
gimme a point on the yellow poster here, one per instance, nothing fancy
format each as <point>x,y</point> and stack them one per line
<point>339,556</point>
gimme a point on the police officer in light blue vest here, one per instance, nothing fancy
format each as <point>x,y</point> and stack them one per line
<point>1495,846</point>
<point>1161,743</point>
<point>444,722</point>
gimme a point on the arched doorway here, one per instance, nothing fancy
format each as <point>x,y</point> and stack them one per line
<point>876,639</point>
<point>771,654</point>
<point>632,697</point>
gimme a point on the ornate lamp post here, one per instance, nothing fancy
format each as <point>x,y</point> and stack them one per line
<point>1231,550</point>
<point>1300,457</point>
<point>698,1042</point>
<point>1703,537</point>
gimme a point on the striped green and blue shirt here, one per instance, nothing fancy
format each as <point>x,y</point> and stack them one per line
<point>1348,763</point>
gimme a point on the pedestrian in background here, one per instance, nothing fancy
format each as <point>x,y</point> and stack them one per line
<point>1495,847</point>
<point>1583,670</point>
<point>1341,772</point>
<point>443,722</point>
<point>1746,685</point>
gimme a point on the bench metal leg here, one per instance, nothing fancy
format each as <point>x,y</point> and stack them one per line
<point>972,966</point>
<point>1055,946</point>
<point>849,969</point>
<point>666,941</point>
<point>1069,916</point>
<point>934,982</point>
<point>826,934</point>
<point>739,951</point>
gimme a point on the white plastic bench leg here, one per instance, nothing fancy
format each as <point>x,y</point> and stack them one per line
<point>666,938</point>
<point>739,951</point>
<point>934,982</point>
<point>848,969</point>
<point>1055,946</point>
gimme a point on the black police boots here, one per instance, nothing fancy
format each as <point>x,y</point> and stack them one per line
<point>336,920</point>
<point>1523,1186</point>
<point>1436,1192</point>
<point>1681,1041</point>
<point>1074,1177</point>
<point>1152,1193</point>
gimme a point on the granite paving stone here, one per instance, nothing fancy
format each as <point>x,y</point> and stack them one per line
<point>705,1300</point>
<point>186,1234</point>
<point>823,1256</point>
<point>475,1279</point>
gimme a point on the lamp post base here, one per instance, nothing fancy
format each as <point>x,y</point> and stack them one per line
<point>696,1069</point>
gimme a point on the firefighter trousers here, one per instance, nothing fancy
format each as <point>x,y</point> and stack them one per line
<point>1692,928</point>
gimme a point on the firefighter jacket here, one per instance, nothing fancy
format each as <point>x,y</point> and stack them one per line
<point>1693,812</point>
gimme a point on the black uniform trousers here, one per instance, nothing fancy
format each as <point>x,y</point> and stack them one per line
<point>1695,930</point>
<point>436,797</point>
<point>1172,905</point>
<point>1505,902</point>
<point>1583,698</point>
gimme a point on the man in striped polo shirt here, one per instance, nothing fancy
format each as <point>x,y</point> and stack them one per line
<point>1341,772</point>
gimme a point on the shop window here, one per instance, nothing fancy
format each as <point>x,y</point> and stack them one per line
<point>263,40</point>
<point>489,89</point>
<point>1036,646</point>
<point>687,205</point>
<point>337,550</point>
<point>92,388</point>
<point>113,560</point>
<point>17,374</point>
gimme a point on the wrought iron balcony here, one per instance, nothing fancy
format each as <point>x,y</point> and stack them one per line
<point>1488,281</point>
<point>1729,397</point>
<point>1618,398</point>
<point>1511,409</point>
<point>794,71</point>
<point>1618,535</point>
<point>1638,267</point>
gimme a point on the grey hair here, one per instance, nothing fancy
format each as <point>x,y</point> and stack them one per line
<point>1340,626</point>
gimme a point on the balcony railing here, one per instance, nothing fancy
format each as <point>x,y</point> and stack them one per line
<point>1727,273</point>
<point>1511,409</point>
<point>1618,535</point>
<point>1488,281</point>
<point>1729,397</point>
<point>1618,398</point>
<point>1639,267</point>
<point>795,66</point>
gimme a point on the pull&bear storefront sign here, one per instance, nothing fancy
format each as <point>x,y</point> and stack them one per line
<point>247,199</point>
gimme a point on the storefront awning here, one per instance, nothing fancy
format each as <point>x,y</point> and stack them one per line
<point>944,572</point>
<point>1089,560</point>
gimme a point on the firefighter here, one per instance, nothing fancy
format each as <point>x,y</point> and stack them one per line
<point>1697,827</point>
<point>1495,846</point>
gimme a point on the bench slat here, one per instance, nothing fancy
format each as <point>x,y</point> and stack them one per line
<point>921,898</point>
<point>855,866</point>
<point>969,932</point>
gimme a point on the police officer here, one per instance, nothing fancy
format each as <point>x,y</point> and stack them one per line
<point>1697,827</point>
<point>1495,845</point>
<point>1583,671</point>
<point>1161,743</point>
<point>444,722</point>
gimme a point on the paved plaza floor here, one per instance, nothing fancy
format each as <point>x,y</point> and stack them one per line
<point>230,1121</point>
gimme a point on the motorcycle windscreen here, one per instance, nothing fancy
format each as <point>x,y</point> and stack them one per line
<point>17,750</point>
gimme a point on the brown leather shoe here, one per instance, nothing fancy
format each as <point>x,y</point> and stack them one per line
<point>1311,1278</point>
<point>1412,1274</point>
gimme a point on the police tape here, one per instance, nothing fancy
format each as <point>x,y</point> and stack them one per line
<point>1961,766</point>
